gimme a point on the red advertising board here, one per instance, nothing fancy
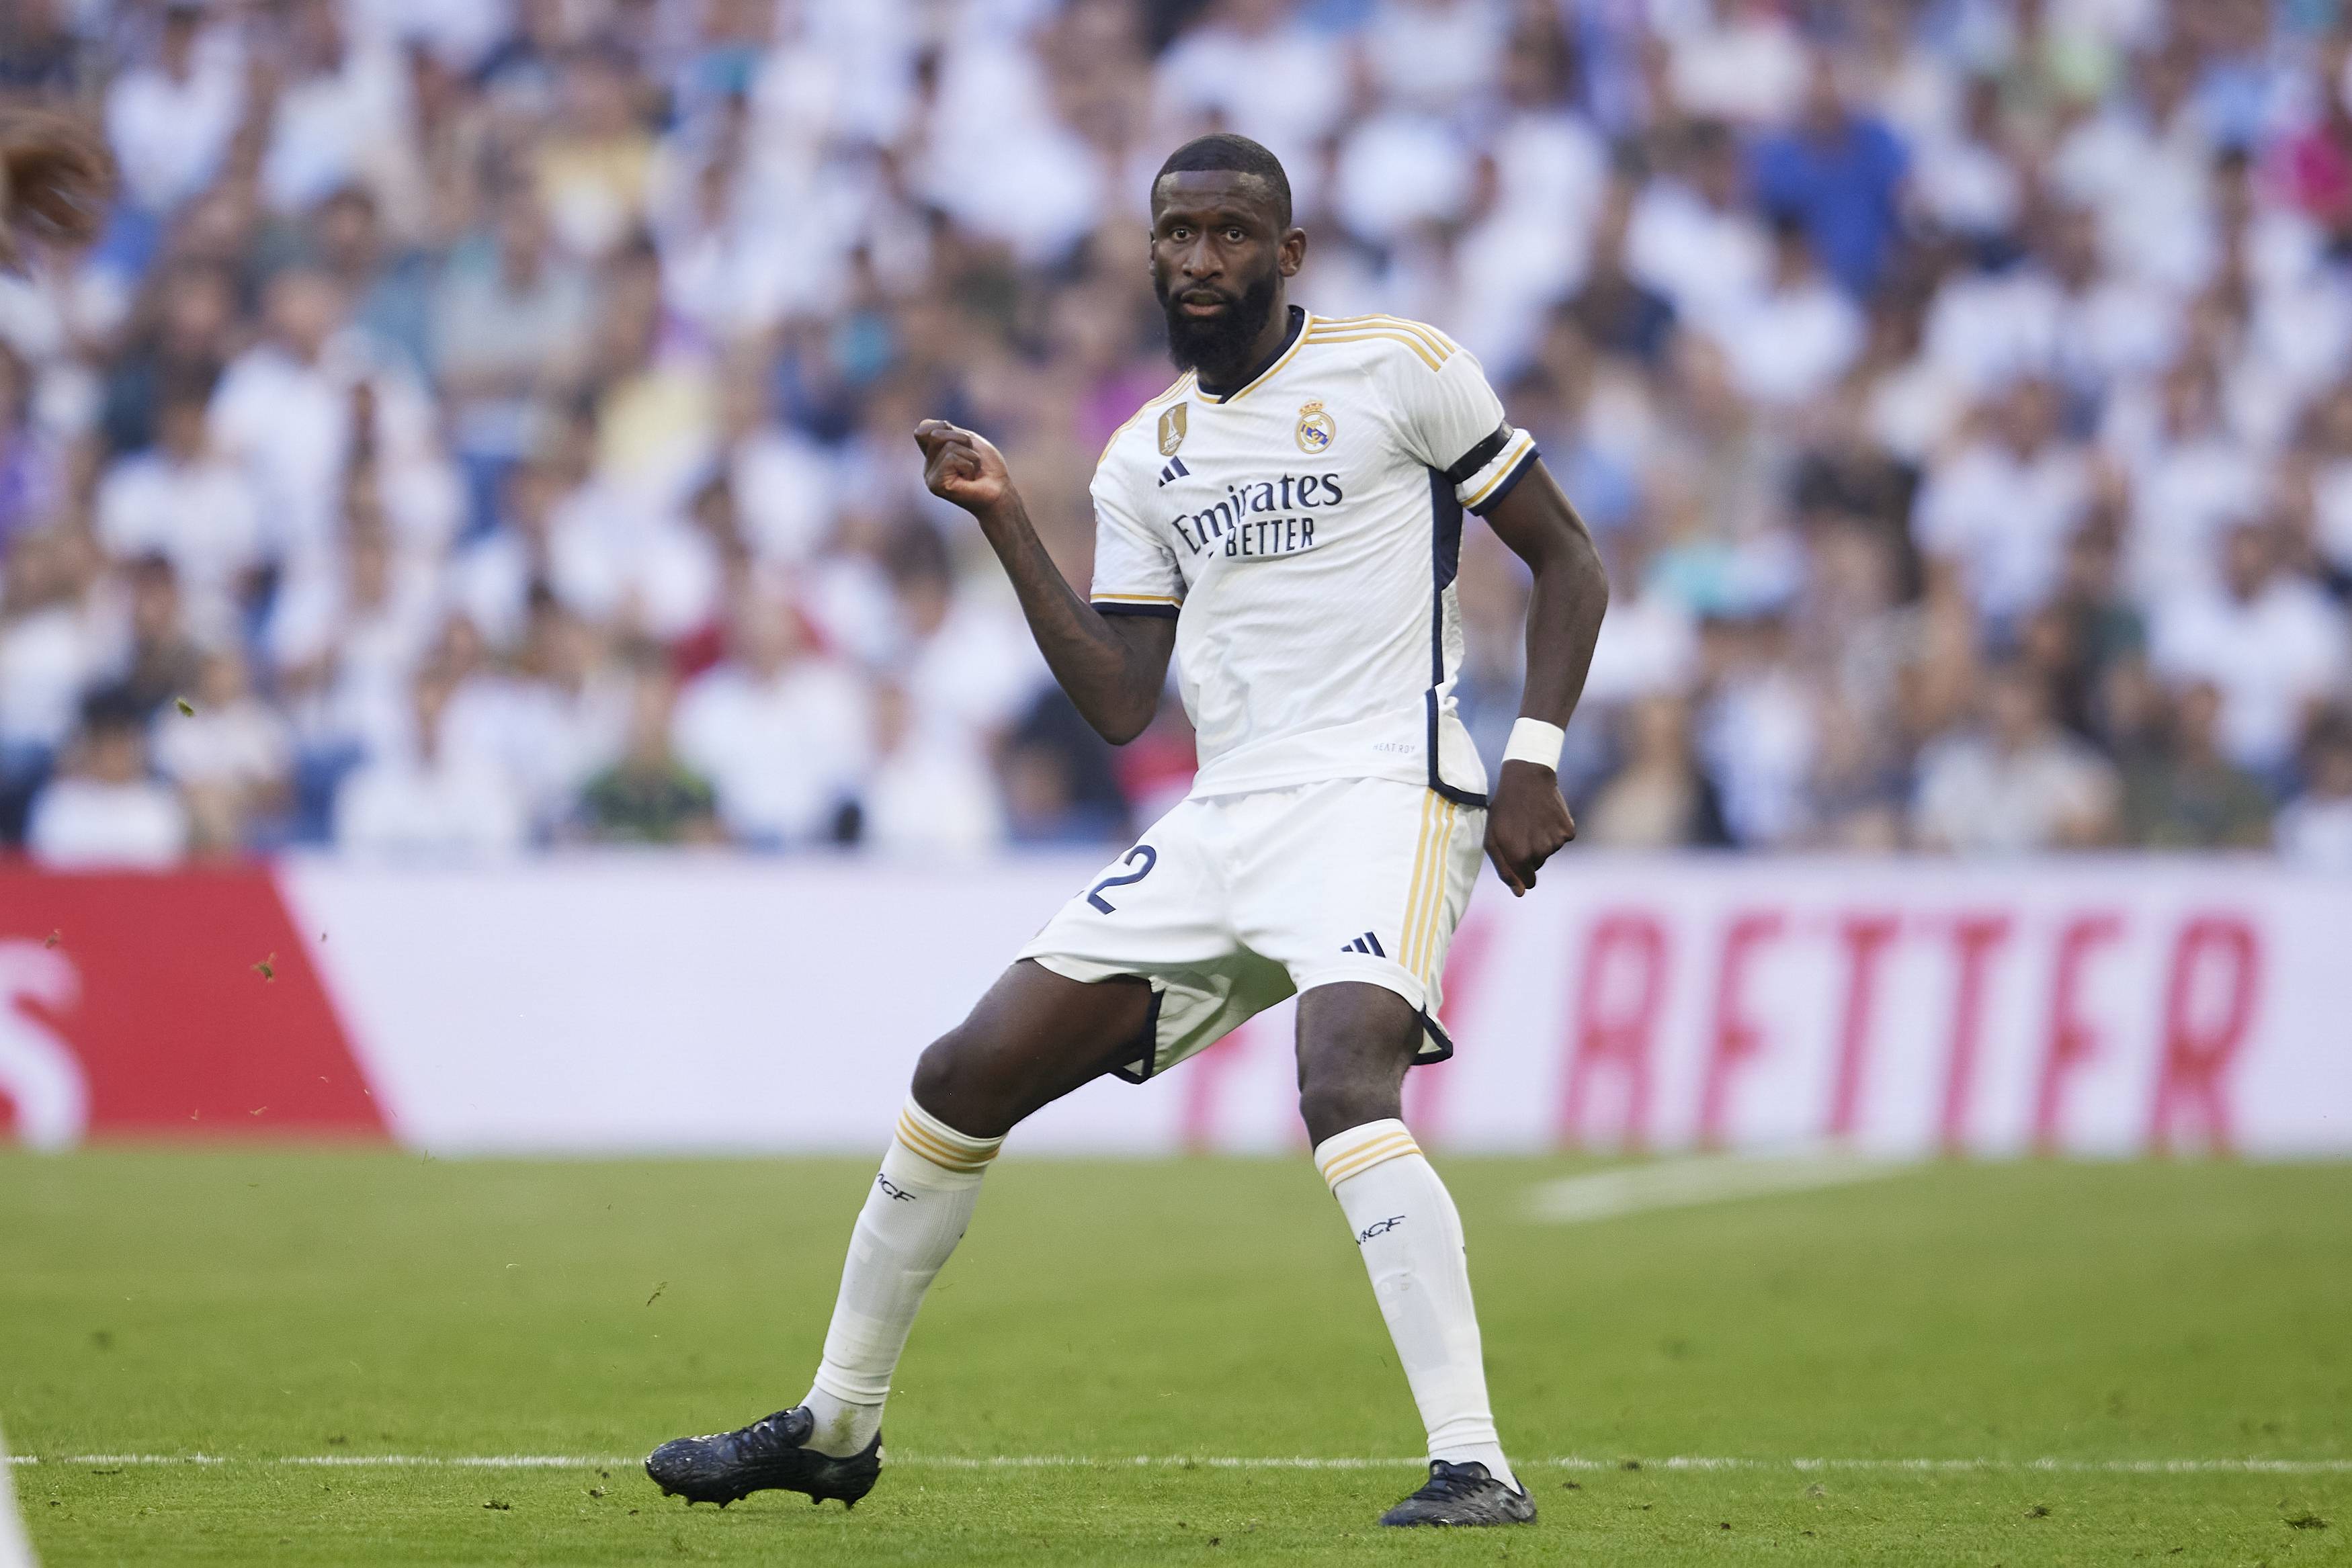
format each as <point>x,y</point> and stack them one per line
<point>185,1005</point>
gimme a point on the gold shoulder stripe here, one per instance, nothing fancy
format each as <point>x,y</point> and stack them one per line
<point>1441,345</point>
<point>1370,334</point>
<point>1382,328</point>
<point>1426,337</point>
<point>1182,383</point>
<point>1436,343</point>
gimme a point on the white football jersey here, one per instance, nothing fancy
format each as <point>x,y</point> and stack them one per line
<point>1304,531</point>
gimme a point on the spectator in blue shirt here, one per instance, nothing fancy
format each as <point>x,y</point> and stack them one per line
<point>1842,174</point>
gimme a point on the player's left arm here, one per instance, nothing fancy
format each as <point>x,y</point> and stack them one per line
<point>1526,820</point>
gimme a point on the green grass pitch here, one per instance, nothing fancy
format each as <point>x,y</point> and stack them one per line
<point>263,1306</point>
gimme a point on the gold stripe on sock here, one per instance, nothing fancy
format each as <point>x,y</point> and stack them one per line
<point>1381,1155</point>
<point>920,1140</point>
<point>1324,1161</point>
<point>1363,1137</point>
<point>933,1146</point>
<point>1387,1147</point>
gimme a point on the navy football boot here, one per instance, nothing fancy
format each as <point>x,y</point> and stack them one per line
<point>769,1453</point>
<point>1462,1494</point>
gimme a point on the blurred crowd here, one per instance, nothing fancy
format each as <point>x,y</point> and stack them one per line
<point>485,423</point>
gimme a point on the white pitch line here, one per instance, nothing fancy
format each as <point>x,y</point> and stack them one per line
<point>2248,1466</point>
<point>1701,1178</point>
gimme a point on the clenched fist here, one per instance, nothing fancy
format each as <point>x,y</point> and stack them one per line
<point>962,467</point>
<point>1527,823</point>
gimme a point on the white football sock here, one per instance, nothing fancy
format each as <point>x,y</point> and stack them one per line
<point>1410,1237</point>
<point>913,1216</point>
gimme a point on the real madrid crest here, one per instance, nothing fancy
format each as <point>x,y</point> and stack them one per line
<point>1315,428</point>
<point>1172,431</point>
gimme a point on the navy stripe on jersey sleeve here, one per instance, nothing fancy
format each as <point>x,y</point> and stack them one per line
<point>1509,482</point>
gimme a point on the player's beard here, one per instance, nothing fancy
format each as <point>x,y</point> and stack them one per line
<point>1219,346</point>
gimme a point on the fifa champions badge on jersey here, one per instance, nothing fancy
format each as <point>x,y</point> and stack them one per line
<point>1315,430</point>
<point>1172,431</point>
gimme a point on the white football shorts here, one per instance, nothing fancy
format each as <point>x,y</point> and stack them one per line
<point>1229,903</point>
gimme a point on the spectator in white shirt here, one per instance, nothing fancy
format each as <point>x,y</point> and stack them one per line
<point>170,122</point>
<point>1793,340</point>
<point>1001,161</point>
<point>105,810</point>
<point>186,503</point>
<point>2017,785</point>
<point>965,659</point>
<point>1748,66</point>
<point>430,801</point>
<point>50,650</point>
<point>1434,53</point>
<point>233,757</point>
<point>1691,237</point>
<point>782,481</point>
<point>932,792</point>
<point>2191,478</point>
<point>782,731</point>
<point>341,117</point>
<point>1999,513</point>
<point>1963,179</point>
<point>2054,313</point>
<point>2316,829</point>
<point>315,405</point>
<point>1251,67</point>
<point>346,641</point>
<point>1760,733</point>
<point>283,412</point>
<point>2273,643</point>
<point>552,722</point>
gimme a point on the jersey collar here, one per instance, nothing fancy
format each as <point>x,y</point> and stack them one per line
<point>1272,362</point>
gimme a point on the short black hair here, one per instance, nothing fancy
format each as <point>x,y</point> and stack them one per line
<point>1237,153</point>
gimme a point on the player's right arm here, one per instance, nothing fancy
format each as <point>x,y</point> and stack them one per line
<point>1113,666</point>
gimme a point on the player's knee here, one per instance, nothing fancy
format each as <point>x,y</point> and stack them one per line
<point>953,1083</point>
<point>939,1074</point>
<point>1330,1104</point>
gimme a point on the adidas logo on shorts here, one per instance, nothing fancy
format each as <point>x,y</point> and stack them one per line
<point>1367,943</point>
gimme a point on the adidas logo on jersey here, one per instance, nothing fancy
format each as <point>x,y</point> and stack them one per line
<point>1175,471</point>
<point>1367,944</point>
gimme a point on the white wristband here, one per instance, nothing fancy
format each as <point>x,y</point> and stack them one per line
<point>1533,740</point>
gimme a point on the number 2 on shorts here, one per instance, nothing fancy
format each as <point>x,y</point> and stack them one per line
<point>1149,856</point>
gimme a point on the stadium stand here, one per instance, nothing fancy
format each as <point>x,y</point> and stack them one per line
<point>483,427</point>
